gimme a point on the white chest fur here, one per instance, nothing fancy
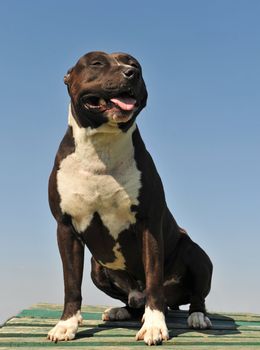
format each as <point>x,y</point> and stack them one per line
<point>100,176</point>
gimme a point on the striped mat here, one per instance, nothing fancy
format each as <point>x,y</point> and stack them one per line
<point>29,329</point>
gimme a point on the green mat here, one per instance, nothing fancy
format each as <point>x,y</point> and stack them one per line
<point>29,329</point>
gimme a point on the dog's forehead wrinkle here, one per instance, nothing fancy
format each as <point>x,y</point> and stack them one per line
<point>120,57</point>
<point>125,56</point>
<point>118,62</point>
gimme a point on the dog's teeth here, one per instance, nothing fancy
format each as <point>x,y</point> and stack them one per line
<point>102,101</point>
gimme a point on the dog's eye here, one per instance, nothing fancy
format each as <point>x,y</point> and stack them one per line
<point>133,64</point>
<point>96,63</point>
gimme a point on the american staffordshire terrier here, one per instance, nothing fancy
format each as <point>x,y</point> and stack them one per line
<point>105,193</point>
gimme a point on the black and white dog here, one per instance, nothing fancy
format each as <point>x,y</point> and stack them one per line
<point>105,192</point>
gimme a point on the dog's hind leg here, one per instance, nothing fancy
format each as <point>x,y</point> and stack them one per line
<point>119,285</point>
<point>176,294</point>
<point>188,282</point>
<point>200,268</point>
<point>72,255</point>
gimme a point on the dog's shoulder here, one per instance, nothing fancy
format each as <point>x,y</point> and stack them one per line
<point>66,147</point>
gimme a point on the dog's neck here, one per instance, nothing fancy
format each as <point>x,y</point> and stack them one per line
<point>110,144</point>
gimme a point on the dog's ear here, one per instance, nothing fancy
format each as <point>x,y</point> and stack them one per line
<point>66,78</point>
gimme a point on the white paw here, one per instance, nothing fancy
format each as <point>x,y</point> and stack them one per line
<point>116,313</point>
<point>198,320</point>
<point>65,330</point>
<point>154,329</point>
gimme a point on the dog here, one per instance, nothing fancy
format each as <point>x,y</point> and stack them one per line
<point>105,193</point>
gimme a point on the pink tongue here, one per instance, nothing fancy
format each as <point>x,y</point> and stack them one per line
<point>125,103</point>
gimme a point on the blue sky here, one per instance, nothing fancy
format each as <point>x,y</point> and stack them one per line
<point>201,65</point>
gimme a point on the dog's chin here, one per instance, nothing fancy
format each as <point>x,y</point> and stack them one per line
<point>115,115</point>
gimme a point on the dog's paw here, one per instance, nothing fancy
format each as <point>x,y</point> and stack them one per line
<point>199,320</point>
<point>154,329</point>
<point>65,330</point>
<point>115,314</point>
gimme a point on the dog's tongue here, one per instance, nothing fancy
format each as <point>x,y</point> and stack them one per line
<point>125,103</point>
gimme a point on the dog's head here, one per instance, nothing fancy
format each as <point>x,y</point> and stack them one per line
<point>106,88</point>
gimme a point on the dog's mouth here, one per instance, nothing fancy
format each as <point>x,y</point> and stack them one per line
<point>123,103</point>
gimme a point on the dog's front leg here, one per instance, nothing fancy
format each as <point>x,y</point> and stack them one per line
<point>154,328</point>
<point>72,255</point>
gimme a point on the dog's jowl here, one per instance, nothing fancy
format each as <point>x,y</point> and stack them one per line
<point>105,193</point>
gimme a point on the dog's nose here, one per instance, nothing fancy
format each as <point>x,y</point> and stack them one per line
<point>129,73</point>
